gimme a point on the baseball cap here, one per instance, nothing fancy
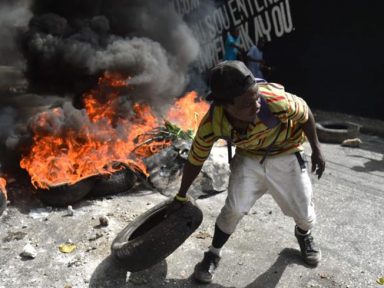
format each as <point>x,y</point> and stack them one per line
<point>229,79</point>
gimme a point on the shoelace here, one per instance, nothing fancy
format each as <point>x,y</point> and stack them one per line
<point>309,243</point>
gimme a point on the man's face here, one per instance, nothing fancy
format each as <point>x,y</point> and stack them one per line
<point>246,106</point>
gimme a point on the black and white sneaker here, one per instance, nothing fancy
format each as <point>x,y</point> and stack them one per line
<point>204,270</point>
<point>309,251</point>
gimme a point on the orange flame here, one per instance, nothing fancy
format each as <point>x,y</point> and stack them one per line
<point>67,155</point>
<point>3,183</point>
<point>188,111</point>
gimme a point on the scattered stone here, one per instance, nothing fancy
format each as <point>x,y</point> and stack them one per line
<point>70,211</point>
<point>90,249</point>
<point>28,252</point>
<point>355,142</point>
<point>95,236</point>
<point>323,276</point>
<point>104,221</point>
<point>203,235</point>
<point>39,213</point>
<point>14,236</point>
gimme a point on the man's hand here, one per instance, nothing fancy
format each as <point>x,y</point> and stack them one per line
<point>318,163</point>
<point>177,203</point>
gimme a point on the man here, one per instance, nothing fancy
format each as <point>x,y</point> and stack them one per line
<point>254,59</point>
<point>231,45</point>
<point>268,127</point>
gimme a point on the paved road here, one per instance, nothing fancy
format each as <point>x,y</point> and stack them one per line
<point>262,253</point>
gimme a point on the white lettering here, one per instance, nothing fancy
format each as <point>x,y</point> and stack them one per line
<point>258,7</point>
<point>209,55</point>
<point>185,6</point>
<point>251,11</point>
<point>233,11</point>
<point>225,17</point>
<point>242,7</point>
<point>210,26</point>
<point>287,19</point>
<point>266,25</point>
<point>277,21</point>
<point>258,30</point>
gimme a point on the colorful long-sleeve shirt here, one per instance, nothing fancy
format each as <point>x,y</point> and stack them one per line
<point>287,137</point>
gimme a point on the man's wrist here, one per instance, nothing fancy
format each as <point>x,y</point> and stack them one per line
<point>182,198</point>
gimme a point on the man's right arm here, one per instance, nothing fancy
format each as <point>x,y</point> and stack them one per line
<point>190,172</point>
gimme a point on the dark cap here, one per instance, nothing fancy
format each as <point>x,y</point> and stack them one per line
<point>228,80</point>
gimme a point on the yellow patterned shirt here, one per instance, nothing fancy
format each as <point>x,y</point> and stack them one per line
<point>291,110</point>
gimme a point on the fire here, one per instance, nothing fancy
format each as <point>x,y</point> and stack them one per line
<point>62,154</point>
<point>3,183</point>
<point>188,111</point>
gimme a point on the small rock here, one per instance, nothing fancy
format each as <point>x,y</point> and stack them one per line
<point>28,251</point>
<point>203,235</point>
<point>95,237</point>
<point>355,142</point>
<point>70,211</point>
<point>104,221</point>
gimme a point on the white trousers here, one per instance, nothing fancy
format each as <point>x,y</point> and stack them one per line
<point>281,177</point>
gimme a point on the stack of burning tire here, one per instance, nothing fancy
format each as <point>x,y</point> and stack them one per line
<point>3,196</point>
<point>65,194</point>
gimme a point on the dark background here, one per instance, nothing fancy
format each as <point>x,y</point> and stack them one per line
<point>334,58</point>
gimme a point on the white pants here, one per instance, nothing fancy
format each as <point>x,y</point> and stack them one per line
<point>280,176</point>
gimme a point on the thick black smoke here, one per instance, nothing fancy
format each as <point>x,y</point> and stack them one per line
<point>67,44</point>
<point>71,42</point>
<point>14,17</point>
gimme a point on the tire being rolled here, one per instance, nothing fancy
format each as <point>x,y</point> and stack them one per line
<point>151,237</point>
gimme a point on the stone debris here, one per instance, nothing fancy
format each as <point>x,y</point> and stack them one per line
<point>40,213</point>
<point>355,142</point>
<point>70,211</point>
<point>203,235</point>
<point>28,252</point>
<point>165,171</point>
<point>104,221</point>
<point>95,236</point>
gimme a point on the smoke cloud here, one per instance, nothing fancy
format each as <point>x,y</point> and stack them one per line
<point>65,45</point>
<point>14,17</point>
<point>71,43</point>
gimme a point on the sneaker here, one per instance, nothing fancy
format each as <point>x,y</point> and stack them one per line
<point>309,251</point>
<point>205,269</point>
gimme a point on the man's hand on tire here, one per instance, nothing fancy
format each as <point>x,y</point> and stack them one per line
<point>176,204</point>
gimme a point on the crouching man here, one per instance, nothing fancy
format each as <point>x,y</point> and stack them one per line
<point>268,127</point>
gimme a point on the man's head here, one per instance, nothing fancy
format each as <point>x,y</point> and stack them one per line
<point>232,85</point>
<point>234,31</point>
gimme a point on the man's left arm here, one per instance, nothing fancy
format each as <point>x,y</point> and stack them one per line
<point>309,128</point>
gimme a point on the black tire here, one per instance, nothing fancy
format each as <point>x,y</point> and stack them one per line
<point>117,182</point>
<point>336,132</point>
<point>65,195</point>
<point>151,237</point>
<point>3,202</point>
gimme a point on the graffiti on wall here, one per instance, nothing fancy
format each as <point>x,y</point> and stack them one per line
<point>255,19</point>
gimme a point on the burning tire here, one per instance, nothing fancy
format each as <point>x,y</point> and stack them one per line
<point>3,202</point>
<point>336,132</point>
<point>117,182</point>
<point>64,195</point>
<point>151,237</point>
